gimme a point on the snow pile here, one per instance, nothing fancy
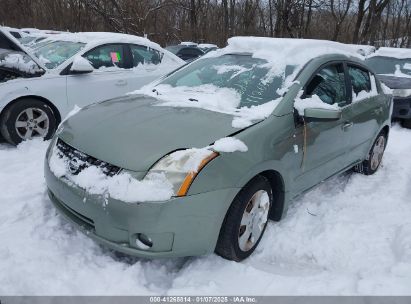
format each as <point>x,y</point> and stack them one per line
<point>399,53</point>
<point>364,94</point>
<point>20,62</point>
<point>208,96</point>
<point>313,102</point>
<point>81,64</point>
<point>122,186</point>
<point>399,73</point>
<point>229,144</point>
<point>222,69</point>
<point>386,89</point>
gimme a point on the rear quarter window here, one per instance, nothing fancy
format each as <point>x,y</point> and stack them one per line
<point>360,79</point>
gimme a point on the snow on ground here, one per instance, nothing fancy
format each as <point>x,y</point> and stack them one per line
<point>350,235</point>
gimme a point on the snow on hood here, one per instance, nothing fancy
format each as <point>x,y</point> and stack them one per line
<point>154,187</point>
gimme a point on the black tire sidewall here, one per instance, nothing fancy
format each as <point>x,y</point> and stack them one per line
<point>367,164</point>
<point>9,117</point>
<point>234,216</point>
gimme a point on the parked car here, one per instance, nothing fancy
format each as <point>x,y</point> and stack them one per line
<point>187,52</point>
<point>38,88</point>
<point>16,33</point>
<point>393,66</point>
<point>207,47</point>
<point>200,162</point>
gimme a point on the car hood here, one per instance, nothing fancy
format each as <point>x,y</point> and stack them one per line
<point>9,43</point>
<point>133,132</point>
<point>394,82</point>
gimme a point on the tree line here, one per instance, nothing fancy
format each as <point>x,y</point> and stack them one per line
<point>374,22</point>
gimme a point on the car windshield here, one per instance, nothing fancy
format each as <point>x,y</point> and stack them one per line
<point>250,77</point>
<point>390,65</point>
<point>55,53</point>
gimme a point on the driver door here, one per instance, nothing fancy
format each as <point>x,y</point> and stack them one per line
<point>109,79</point>
<point>324,142</point>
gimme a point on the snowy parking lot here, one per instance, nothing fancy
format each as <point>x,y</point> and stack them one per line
<point>350,235</point>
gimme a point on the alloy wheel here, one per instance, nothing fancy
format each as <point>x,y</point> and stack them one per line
<point>254,219</point>
<point>377,152</point>
<point>32,122</point>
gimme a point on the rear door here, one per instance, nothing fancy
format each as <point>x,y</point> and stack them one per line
<point>109,79</point>
<point>324,143</point>
<point>365,112</point>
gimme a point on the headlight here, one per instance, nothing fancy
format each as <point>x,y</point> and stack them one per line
<point>401,92</point>
<point>181,167</point>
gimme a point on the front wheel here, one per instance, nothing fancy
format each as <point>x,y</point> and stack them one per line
<point>27,119</point>
<point>373,161</point>
<point>246,220</point>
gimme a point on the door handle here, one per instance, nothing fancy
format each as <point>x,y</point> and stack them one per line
<point>347,125</point>
<point>121,83</point>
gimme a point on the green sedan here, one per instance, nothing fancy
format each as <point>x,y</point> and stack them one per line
<point>199,161</point>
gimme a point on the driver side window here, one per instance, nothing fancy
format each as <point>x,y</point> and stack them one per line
<point>110,55</point>
<point>329,85</point>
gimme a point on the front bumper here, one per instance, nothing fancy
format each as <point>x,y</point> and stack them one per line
<point>402,108</point>
<point>186,226</point>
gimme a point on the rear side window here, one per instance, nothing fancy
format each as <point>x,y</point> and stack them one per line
<point>360,79</point>
<point>329,85</point>
<point>111,55</point>
<point>189,53</point>
<point>144,55</point>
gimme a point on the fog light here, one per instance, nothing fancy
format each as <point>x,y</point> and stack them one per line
<point>143,241</point>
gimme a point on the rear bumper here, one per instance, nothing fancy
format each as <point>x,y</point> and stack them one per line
<point>178,227</point>
<point>402,108</point>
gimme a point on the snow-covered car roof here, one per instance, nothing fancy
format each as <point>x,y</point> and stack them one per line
<point>207,46</point>
<point>188,43</point>
<point>97,38</point>
<point>362,49</point>
<point>399,53</point>
<point>285,51</point>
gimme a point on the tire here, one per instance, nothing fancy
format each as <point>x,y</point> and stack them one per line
<point>16,124</point>
<point>406,123</point>
<point>373,161</point>
<point>233,243</point>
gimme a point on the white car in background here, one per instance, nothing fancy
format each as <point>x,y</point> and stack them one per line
<point>39,87</point>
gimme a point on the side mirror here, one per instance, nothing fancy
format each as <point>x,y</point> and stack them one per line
<point>81,66</point>
<point>322,114</point>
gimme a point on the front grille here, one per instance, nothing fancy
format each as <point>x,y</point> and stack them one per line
<point>78,161</point>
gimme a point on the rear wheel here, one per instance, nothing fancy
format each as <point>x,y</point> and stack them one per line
<point>374,158</point>
<point>27,119</point>
<point>246,220</point>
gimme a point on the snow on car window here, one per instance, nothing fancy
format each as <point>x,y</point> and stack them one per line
<point>58,52</point>
<point>245,76</point>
